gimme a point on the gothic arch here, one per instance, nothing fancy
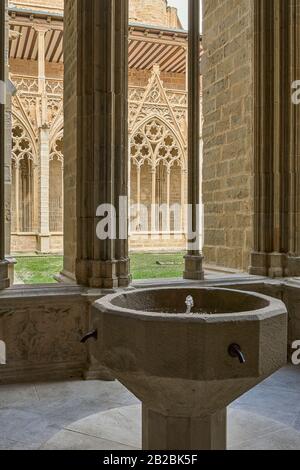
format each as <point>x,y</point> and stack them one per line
<point>56,165</point>
<point>26,120</point>
<point>23,142</point>
<point>157,160</point>
<point>56,146</point>
<point>153,140</point>
<point>57,129</point>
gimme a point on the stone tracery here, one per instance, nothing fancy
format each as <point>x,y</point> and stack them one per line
<point>158,122</point>
<point>27,158</point>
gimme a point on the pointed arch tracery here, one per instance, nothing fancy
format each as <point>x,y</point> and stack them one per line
<point>57,147</point>
<point>156,152</point>
<point>24,161</point>
<point>56,192</point>
<point>154,142</point>
<point>23,145</point>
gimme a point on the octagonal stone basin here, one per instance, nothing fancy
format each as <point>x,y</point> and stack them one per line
<point>179,364</point>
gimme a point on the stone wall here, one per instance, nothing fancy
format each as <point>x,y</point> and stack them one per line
<point>172,81</point>
<point>153,12</point>
<point>227,68</point>
<point>42,329</point>
<point>47,5</point>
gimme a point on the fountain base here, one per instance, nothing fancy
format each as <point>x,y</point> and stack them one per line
<point>190,433</point>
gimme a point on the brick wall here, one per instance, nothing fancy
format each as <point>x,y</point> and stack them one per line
<point>30,67</point>
<point>228,131</point>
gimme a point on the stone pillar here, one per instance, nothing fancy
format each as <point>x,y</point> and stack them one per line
<point>194,258</point>
<point>4,265</point>
<point>10,91</point>
<point>100,168</point>
<point>277,140</point>
<point>44,129</point>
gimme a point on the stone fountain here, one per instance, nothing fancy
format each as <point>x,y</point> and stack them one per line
<point>187,353</point>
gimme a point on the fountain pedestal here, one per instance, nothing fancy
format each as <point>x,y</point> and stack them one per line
<point>187,368</point>
<point>187,432</point>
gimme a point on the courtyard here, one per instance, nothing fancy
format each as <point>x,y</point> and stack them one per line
<point>42,269</point>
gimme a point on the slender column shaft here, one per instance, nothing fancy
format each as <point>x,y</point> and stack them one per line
<point>138,184</point>
<point>17,196</point>
<point>4,281</point>
<point>41,61</point>
<point>193,260</point>
<point>44,182</point>
<point>168,222</point>
<point>153,202</point>
<point>44,229</point>
<point>183,200</point>
<point>2,126</point>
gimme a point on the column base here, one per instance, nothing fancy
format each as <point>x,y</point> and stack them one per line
<point>259,266</point>
<point>103,274</point>
<point>193,268</point>
<point>184,433</point>
<point>4,275</point>
<point>44,244</point>
<point>277,265</point>
<point>293,263</point>
<point>11,270</point>
<point>272,265</point>
<point>64,277</point>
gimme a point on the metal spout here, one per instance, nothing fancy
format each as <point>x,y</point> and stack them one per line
<point>91,334</point>
<point>234,350</point>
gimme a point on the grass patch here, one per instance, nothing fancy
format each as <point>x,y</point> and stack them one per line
<point>144,265</point>
<point>41,269</point>
<point>38,269</point>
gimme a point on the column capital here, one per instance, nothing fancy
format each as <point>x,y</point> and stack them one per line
<point>42,29</point>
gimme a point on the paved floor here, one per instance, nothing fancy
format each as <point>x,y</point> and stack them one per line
<point>101,415</point>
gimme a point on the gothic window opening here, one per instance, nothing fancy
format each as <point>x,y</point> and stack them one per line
<point>56,187</point>
<point>157,177</point>
<point>22,181</point>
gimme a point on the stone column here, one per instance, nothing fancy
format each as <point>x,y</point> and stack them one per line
<point>100,164</point>
<point>10,91</point>
<point>4,265</point>
<point>194,258</point>
<point>44,129</point>
<point>277,140</point>
<point>154,226</point>
<point>168,212</point>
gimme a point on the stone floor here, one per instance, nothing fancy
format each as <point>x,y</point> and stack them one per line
<point>102,415</point>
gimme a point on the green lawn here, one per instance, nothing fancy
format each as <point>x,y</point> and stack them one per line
<point>41,269</point>
<point>145,265</point>
<point>38,269</point>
